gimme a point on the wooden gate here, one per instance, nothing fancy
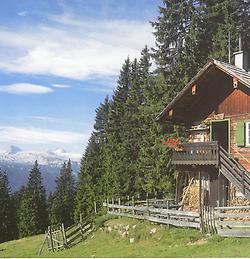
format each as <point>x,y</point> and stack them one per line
<point>60,237</point>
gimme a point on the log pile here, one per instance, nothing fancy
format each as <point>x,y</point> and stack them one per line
<point>191,201</point>
<point>239,201</point>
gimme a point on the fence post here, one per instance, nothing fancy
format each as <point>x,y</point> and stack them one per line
<point>95,208</point>
<point>168,217</point>
<point>108,205</point>
<point>113,202</point>
<point>51,240</point>
<point>133,204</point>
<point>64,236</point>
<point>119,203</point>
<point>201,205</point>
<point>148,205</point>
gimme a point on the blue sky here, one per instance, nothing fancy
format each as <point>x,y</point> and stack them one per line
<point>58,61</point>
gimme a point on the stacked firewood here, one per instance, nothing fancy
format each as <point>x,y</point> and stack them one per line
<point>239,201</point>
<point>191,201</point>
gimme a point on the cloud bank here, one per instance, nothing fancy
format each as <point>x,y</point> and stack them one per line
<point>40,136</point>
<point>73,48</point>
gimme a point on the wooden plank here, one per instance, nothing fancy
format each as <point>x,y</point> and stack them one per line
<point>50,238</point>
<point>234,169</point>
<point>233,215</point>
<point>85,224</point>
<point>176,217</point>
<point>174,212</point>
<point>233,223</point>
<point>234,232</point>
<point>41,248</point>
<point>128,215</point>
<point>56,240</point>
<point>70,227</point>
<point>64,236</point>
<point>161,211</point>
<point>73,232</point>
<point>84,230</point>
<point>186,192</point>
<point>138,208</point>
<point>70,241</point>
<point>177,223</point>
<point>233,208</point>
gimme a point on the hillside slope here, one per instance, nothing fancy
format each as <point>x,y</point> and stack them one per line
<point>149,241</point>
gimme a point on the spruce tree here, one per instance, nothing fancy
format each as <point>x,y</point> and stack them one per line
<point>84,200</point>
<point>62,202</point>
<point>33,217</point>
<point>115,154</point>
<point>91,185</point>
<point>7,219</point>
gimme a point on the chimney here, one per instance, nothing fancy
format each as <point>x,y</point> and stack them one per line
<point>241,56</point>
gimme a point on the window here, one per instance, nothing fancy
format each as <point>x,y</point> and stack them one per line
<point>247,133</point>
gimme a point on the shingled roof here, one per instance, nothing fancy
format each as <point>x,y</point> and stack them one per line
<point>242,76</point>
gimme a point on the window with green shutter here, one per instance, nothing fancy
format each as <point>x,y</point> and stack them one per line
<point>247,130</point>
<point>240,134</point>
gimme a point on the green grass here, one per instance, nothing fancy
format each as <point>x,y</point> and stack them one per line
<point>172,242</point>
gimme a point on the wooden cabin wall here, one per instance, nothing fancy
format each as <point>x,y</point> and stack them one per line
<point>242,154</point>
<point>236,107</point>
<point>237,103</point>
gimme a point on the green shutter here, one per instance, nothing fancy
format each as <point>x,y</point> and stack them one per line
<point>240,134</point>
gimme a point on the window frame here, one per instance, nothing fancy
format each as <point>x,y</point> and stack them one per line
<point>247,133</point>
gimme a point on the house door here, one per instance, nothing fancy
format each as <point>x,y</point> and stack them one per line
<point>220,133</point>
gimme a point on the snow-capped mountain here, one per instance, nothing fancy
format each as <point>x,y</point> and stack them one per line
<point>17,164</point>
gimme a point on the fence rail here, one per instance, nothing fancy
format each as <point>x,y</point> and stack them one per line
<point>233,221</point>
<point>159,215</point>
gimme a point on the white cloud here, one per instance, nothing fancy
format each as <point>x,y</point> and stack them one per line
<point>25,88</point>
<point>60,86</point>
<point>23,13</point>
<point>73,48</point>
<point>40,136</point>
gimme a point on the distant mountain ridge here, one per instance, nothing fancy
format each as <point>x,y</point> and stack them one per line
<point>18,163</point>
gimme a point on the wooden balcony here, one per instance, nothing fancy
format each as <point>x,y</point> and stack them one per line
<point>201,153</point>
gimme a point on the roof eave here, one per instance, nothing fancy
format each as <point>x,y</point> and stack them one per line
<point>184,90</point>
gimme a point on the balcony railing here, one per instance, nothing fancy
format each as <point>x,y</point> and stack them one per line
<point>201,153</point>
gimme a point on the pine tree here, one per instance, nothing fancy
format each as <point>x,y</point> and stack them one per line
<point>7,219</point>
<point>33,217</point>
<point>91,185</point>
<point>84,201</point>
<point>115,153</point>
<point>62,201</point>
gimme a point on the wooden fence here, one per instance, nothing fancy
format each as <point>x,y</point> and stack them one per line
<point>233,221</point>
<point>153,214</point>
<point>61,237</point>
<point>226,221</point>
